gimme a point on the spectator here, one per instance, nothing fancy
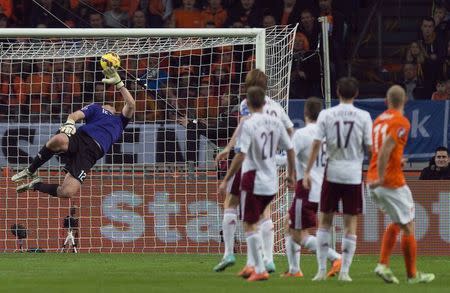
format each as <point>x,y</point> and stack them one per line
<point>305,74</point>
<point>439,166</point>
<point>6,8</point>
<point>12,91</point>
<point>309,27</point>
<point>138,20</point>
<point>444,73</point>
<point>4,22</point>
<point>269,20</point>
<point>247,13</point>
<point>426,68</point>
<point>434,45</point>
<point>411,84</point>
<point>96,20</point>
<point>215,13</point>
<point>187,16</point>
<point>336,31</point>
<point>159,12</point>
<point>115,17</point>
<point>288,13</point>
<point>441,22</point>
<point>441,91</point>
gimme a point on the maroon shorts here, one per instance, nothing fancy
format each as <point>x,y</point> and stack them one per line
<point>332,193</point>
<point>303,213</point>
<point>235,184</point>
<point>252,205</point>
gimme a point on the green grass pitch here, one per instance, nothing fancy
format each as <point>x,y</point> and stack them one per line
<point>129,273</point>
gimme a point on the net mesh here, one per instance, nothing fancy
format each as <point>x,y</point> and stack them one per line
<point>156,189</point>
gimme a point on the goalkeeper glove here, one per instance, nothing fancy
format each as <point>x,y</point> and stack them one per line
<point>112,77</point>
<point>68,128</point>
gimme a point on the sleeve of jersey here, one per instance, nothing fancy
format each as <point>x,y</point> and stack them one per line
<point>320,130</point>
<point>244,140</point>
<point>368,130</point>
<point>399,132</point>
<point>285,119</point>
<point>285,140</point>
<point>90,110</point>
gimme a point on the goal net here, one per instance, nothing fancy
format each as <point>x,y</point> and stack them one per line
<point>156,189</point>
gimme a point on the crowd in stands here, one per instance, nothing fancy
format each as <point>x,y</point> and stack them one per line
<point>53,88</point>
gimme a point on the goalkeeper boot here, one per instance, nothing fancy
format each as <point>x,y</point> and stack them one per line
<point>421,278</point>
<point>335,268</point>
<point>24,174</point>
<point>270,267</point>
<point>226,262</point>
<point>344,277</point>
<point>28,186</point>
<point>386,274</point>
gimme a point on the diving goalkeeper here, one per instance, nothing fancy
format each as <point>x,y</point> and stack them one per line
<point>81,149</point>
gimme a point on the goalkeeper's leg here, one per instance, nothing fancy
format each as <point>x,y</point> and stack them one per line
<point>229,223</point>
<point>56,144</point>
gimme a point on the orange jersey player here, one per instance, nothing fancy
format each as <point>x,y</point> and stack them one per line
<point>389,190</point>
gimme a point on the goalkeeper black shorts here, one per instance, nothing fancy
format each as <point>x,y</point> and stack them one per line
<point>81,156</point>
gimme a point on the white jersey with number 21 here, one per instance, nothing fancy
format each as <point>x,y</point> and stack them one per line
<point>347,131</point>
<point>261,136</point>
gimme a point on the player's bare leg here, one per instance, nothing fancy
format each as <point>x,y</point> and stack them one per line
<point>229,224</point>
<point>323,244</point>
<point>254,243</point>
<point>266,229</point>
<point>348,246</point>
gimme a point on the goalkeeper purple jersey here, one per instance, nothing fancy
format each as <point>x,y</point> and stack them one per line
<point>103,126</point>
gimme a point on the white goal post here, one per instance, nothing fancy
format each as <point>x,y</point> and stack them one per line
<point>156,190</point>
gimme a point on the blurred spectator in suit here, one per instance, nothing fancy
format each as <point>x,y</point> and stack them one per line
<point>439,168</point>
<point>245,12</point>
<point>412,84</point>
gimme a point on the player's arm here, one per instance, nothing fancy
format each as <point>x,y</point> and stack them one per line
<point>112,77</point>
<point>383,158</point>
<point>68,127</point>
<point>223,155</point>
<point>312,158</point>
<point>234,168</point>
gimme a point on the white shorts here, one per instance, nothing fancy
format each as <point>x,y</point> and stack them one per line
<point>397,203</point>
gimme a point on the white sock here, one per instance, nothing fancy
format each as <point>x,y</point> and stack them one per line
<point>267,235</point>
<point>228,229</point>
<point>253,247</point>
<point>348,251</point>
<point>293,254</point>
<point>311,244</point>
<point>323,244</point>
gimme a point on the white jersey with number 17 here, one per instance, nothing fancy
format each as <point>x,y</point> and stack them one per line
<point>259,140</point>
<point>347,131</point>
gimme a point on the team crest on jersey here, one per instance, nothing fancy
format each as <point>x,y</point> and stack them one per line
<point>401,132</point>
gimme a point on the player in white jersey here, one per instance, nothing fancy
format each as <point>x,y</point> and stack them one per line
<point>261,136</point>
<point>302,215</point>
<point>347,131</point>
<point>254,78</point>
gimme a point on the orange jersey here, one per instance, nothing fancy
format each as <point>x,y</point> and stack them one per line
<point>392,123</point>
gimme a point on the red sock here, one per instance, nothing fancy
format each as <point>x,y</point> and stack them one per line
<point>389,239</point>
<point>409,248</point>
